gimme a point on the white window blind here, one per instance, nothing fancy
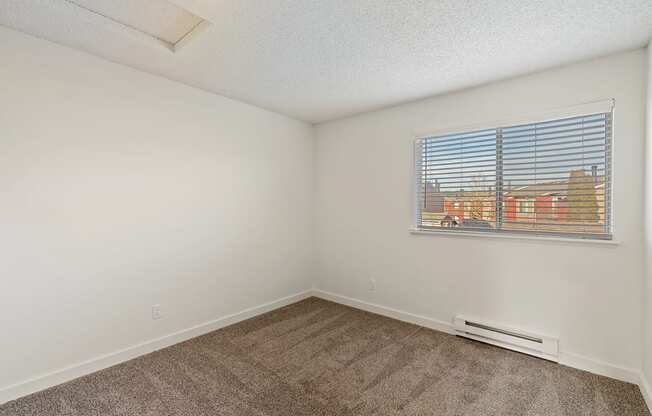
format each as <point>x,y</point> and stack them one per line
<point>546,178</point>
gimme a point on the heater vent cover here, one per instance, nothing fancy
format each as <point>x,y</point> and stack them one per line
<point>538,345</point>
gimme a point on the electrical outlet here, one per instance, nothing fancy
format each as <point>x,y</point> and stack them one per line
<point>156,312</point>
<point>372,284</point>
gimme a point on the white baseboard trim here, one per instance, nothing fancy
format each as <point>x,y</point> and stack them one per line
<point>592,365</point>
<point>646,391</point>
<point>72,372</point>
<point>569,359</point>
<point>385,311</point>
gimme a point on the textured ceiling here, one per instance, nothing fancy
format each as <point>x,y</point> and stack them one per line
<point>318,60</point>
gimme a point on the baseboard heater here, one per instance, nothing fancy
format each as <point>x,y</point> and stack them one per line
<point>510,338</point>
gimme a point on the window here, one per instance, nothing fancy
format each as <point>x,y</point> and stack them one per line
<point>546,178</point>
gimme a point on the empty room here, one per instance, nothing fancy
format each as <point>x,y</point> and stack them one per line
<point>332,207</point>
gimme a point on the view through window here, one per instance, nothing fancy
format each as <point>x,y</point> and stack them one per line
<point>546,178</point>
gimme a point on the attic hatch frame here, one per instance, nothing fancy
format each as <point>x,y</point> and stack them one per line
<point>142,35</point>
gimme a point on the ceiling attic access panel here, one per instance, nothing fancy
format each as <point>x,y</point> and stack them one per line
<point>161,20</point>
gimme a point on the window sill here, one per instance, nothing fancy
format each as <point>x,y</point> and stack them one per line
<point>541,239</point>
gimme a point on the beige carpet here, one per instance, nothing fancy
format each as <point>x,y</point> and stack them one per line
<point>320,358</point>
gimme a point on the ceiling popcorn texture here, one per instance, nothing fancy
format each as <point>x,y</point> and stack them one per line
<point>323,60</point>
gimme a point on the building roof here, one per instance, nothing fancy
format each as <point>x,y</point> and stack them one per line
<point>552,188</point>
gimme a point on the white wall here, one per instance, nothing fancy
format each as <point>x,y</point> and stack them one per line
<point>588,295</point>
<point>120,190</point>
<point>647,319</point>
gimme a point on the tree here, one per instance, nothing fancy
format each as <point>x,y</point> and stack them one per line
<point>480,198</point>
<point>582,199</point>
